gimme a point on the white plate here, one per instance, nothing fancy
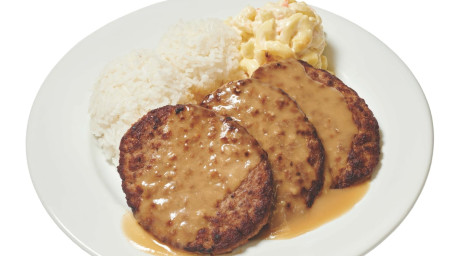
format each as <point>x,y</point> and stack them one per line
<point>82,192</point>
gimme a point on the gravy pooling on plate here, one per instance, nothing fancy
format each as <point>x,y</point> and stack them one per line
<point>329,206</point>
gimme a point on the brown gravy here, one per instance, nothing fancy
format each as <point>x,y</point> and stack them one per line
<point>182,187</point>
<point>329,206</point>
<point>324,106</point>
<point>281,128</point>
<point>336,130</point>
<point>144,241</point>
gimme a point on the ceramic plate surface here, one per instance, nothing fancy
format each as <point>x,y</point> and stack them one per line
<point>82,192</point>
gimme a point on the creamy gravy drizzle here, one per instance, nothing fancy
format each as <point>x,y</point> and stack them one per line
<point>192,171</point>
<point>324,106</point>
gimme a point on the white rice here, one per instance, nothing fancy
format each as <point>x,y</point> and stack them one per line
<point>192,59</point>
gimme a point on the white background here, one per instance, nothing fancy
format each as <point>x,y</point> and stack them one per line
<point>36,34</point>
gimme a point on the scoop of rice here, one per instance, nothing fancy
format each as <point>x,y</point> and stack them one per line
<point>192,59</point>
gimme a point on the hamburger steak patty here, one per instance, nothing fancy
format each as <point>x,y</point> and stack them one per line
<point>282,129</point>
<point>347,127</point>
<point>195,180</point>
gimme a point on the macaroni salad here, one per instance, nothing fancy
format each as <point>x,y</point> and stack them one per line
<point>281,30</point>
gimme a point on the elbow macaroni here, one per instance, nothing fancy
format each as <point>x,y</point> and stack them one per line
<point>286,29</point>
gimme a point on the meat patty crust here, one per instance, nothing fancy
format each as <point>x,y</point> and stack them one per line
<point>195,180</point>
<point>363,155</point>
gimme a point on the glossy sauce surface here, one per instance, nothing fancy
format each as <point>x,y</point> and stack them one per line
<point>281,128</point>
<point>329,206</point>
<point>144,241</point>
<point>324,106</point>
<point>202,159</point>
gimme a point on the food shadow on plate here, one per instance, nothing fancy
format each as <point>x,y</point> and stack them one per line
<point>107,173</point>
<point>330,54</point>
